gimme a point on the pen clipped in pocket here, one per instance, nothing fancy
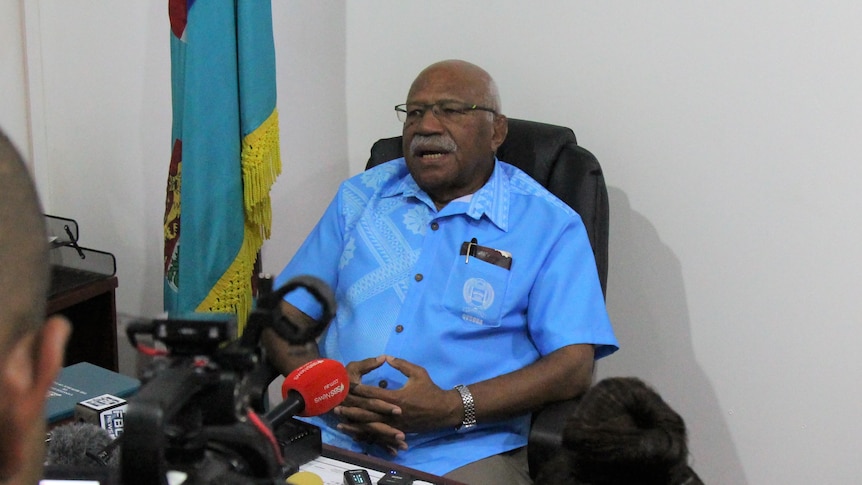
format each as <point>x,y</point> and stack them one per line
<point>496,257</point>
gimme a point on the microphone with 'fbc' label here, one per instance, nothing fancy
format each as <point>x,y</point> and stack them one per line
<point>312,389</point>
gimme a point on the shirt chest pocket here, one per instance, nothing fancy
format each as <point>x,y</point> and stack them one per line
<point>475,291</point>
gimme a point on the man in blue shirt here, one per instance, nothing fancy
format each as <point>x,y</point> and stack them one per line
<point>467,294</point>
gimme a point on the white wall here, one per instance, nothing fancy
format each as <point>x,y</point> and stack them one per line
<point>13,79</point>
<point>729,135</point>
<point>102,135</point>
<point>310,52</point>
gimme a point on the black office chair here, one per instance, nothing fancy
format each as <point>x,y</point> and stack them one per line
<point>551,155</point>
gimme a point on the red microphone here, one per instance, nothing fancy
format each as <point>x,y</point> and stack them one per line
<point>312,389</point>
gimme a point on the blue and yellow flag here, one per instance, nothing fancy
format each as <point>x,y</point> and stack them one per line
<point>225,153</point>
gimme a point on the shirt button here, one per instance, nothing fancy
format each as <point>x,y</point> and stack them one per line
<point>418,277</point>
<point>399,328</point>
<point>383,384</point>
<point>435,226</point>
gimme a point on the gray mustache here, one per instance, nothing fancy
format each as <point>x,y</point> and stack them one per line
<point>443,143</point>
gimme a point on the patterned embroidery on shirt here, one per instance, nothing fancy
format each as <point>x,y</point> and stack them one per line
<point>375,177</point>
<point>416,219</point>
<point>383,237</point>
<point>387,206</point>
<point>525,184</point>
<point>493,200</point>
<point>347,254</point>
<point>354,201</point>
<point>393,277</point>
<point>380,237</point>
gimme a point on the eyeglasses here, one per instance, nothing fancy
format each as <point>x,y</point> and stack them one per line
<point>445,111</point>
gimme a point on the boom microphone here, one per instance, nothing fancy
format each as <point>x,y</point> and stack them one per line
<point>312,389</point>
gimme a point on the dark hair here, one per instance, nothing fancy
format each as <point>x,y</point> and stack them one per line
<point>622,432</point>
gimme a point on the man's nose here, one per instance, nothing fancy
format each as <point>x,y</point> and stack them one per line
<point>429,122</point>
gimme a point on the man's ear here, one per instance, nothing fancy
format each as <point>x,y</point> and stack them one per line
<point>501,129</point>
<point>52,349</point>
<point>31,366</point>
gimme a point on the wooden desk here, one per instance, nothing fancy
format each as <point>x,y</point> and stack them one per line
<point>88,301</point>
<point>374,463</point>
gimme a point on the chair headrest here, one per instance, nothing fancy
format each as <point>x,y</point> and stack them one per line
<point>535,147</point>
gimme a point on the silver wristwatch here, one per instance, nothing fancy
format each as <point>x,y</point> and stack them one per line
<point>469,408</point>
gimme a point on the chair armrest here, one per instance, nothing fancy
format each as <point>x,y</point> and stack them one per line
<point>546,433</point>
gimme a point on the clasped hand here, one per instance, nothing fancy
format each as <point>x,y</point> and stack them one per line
<point>381,416</point>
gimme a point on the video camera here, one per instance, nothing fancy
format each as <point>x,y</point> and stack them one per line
<point>200,411</point>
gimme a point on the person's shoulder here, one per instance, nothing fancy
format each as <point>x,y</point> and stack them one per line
<point>527,187</point>
<point>378,178</point>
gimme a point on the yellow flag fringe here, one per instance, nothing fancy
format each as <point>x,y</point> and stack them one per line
<point>261,165</point>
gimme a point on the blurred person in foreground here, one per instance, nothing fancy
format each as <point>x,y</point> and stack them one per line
<point>31,347</point>
<point>622,433</point>
<point>468,295</point>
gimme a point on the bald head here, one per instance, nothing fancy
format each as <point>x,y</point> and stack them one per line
<point>23,249</point>
<point>463,75</point>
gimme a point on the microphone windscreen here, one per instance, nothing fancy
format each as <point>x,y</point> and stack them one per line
<point>322,383</point>
<point>70,443</point>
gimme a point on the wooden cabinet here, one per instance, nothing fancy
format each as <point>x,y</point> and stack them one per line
<point>88,301</point>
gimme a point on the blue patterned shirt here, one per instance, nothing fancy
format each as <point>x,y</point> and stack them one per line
<point>404,289</point>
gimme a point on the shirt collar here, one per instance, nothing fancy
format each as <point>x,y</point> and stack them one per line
<point>492,200</point>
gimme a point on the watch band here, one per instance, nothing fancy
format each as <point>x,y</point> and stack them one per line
<point>469,407</point>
